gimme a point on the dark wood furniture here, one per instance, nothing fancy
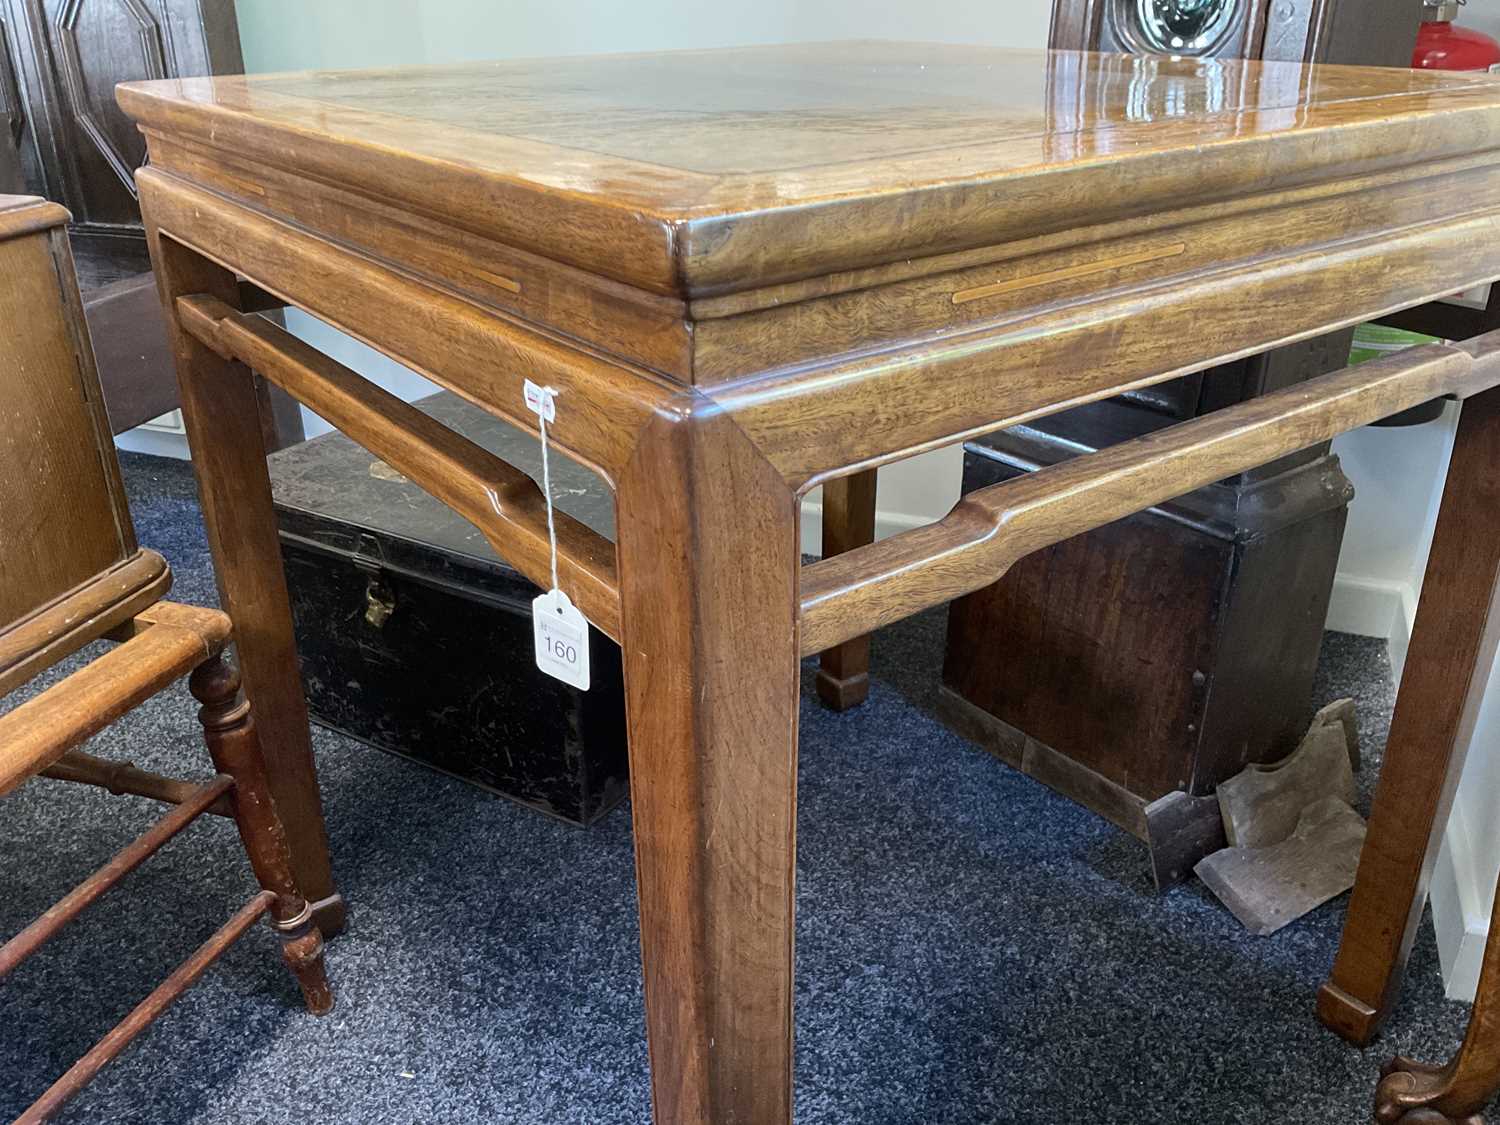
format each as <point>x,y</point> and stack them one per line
<point>749,272</point>
<point>125,322</point>
<point>1137,666</point>
<point>1415,1093</point>
<point>1372,32</point>
<point>10,164</point>
<point>71,573</point>
<point>68,140</point>
<point>59,65</point>
<point>1192,629</point>
<point>385,580</point>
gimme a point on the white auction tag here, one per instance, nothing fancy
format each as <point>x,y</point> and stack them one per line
<point>561,633</point>
<point>538,399</point>
<point>562,639</point>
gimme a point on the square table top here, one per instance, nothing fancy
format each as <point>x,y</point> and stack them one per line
<point>696,172</point>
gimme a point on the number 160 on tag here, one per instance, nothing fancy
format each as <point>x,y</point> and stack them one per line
<point>562,639</point>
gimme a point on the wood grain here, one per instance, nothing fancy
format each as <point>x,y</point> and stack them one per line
<point>848,522</point>
<point>503,502</point>
<point>1068,273</point>
<point>1457,1092</point>
<point>60,628</point>
<point>221,409</point>
<point>812,423</point>
<point>645,328</point>
<point>39,731</point>
<point>70,569</point>
<point>65,517</point>
<point>784,229</point>
<point>803,160</point>
<point>709,588</point>
<point>481,354</point>
<point>70,573</point>
<point>990,529</point>
<point>1454,641</point>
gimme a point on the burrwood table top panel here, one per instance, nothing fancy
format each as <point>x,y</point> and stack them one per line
<point>695,172</point>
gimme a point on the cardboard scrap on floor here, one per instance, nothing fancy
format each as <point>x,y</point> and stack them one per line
<point>1265,888</point>
<point>1295,837</point>
<point>1262,804</point>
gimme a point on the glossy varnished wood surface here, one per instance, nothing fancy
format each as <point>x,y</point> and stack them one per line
<point>990,529</point>
<point>710,171</point>
<point>749,272</point>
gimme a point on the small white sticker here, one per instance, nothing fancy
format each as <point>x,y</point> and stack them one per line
<point>562,639</point>
<point>535,398</point>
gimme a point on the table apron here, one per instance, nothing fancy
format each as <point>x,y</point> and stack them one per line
<point>828,420</point>
<point>500,500</point>
<point>992,528</point>
<point>477,352</point>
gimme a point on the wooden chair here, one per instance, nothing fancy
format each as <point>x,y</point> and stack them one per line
<point>71,573</point>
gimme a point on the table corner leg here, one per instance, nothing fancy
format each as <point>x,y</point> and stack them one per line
<point>1347,1016</point>
<point>1454,643</point>
<point>221,411</point>
<point>709,563</point>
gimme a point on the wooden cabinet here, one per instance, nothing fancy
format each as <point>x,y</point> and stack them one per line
<point>58,71</point>
<point>63,137</point>
<point>1136,667</point>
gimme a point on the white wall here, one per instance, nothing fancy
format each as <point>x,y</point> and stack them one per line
<point>1397,472</point>
<point>293,34</point>
<point>1482,15</point>
<point>1398,476</point>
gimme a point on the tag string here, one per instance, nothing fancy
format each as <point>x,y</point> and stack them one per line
<point>548,397</point>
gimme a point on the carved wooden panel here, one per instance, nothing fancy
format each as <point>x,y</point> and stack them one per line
<point>95,40</point>
<point>12,108</point>
<point>65,58</point>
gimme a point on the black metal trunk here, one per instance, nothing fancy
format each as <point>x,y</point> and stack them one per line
<point>416,638</point>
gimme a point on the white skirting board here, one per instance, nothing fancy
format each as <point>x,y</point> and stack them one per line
<point>159,443</point>
<point>1460,909</point>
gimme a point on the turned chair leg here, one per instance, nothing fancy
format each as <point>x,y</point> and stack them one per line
<point>1413,1093</point>
<point>229,730</point>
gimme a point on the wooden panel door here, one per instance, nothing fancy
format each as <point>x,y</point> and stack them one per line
<point>12,117</point>
<point>66,56</point>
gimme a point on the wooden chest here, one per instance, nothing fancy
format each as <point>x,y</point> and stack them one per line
<point>1135,667</point>
<point>416,638</point>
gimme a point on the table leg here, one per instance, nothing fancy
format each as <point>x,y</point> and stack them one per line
<point>1411,1093</point>
<point>221,410</point>
<point>848,522</point>
<point>708,555</point>
<point>1453,645</point>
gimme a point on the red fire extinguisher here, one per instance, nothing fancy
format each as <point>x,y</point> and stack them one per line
<point>1441,45</point>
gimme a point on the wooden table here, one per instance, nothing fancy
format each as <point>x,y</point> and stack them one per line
<point>749,272</point>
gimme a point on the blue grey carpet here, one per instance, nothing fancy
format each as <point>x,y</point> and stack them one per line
<point>971,947</point>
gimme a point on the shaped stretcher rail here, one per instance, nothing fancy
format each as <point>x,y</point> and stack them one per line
<point>989,530</point>
<point>501,501</point>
